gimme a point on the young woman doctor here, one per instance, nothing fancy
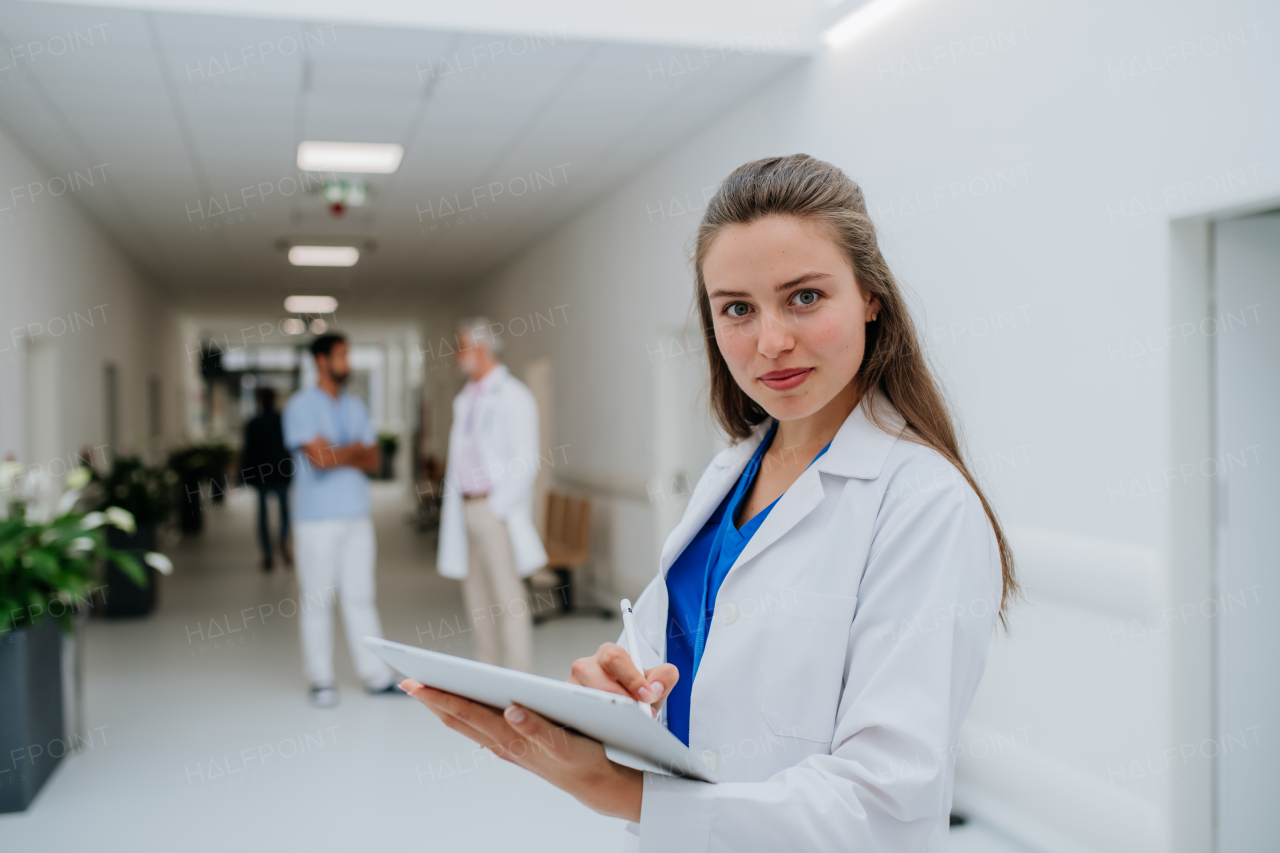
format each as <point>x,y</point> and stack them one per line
<point>822,613</point>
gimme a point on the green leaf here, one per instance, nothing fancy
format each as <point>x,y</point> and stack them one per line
<point>129,565</point>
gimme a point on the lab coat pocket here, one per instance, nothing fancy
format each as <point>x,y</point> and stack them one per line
<point>804,663</point>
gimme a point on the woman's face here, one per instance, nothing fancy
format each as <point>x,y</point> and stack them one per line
<point>789,317</point>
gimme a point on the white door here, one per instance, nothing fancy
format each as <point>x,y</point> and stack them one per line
<point>1247,301</point>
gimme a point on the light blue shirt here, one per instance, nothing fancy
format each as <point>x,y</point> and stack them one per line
<point>342,492</point>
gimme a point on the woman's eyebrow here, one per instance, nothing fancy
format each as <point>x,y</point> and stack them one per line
<point>796,282</point>
<point>786,285</point>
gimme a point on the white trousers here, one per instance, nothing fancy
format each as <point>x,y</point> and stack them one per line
<point>335,559</point>
<point>494,595</point>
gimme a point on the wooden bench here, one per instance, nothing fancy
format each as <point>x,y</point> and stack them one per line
<point>568,544</point>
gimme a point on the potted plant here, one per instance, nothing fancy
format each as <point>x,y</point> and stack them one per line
<point>189,466</point>
<point>147,494</point>
<point>193,465</point>
<point>48,571</point>
<point>388,444</point>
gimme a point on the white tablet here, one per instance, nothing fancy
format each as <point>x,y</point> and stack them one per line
<point>630,735</point>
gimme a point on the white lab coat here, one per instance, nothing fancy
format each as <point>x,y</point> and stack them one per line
<point>507,434</point>
<point>847,643</point>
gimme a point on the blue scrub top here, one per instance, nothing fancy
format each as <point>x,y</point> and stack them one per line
<point>341,492</point>
<point>694,579</point>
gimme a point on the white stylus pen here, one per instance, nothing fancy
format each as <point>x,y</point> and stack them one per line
<point>633,642</point>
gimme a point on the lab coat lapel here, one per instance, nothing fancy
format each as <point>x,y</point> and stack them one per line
<point>859,450</point>
<point>796,502</point>
<point>721,476</point>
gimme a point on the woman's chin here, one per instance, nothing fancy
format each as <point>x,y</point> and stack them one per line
<point>785,407</point>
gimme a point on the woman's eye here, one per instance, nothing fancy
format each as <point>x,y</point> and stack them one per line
<point>805,297</point>
<point>737,309</point>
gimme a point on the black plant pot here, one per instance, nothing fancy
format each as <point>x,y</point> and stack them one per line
<point>124,597</point>
<point>190,507</point>
<point>31,736</point>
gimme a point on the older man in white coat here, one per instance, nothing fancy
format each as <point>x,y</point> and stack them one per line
<point>487,536</point>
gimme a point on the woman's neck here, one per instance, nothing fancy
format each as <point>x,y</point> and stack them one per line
<point>806,436</point>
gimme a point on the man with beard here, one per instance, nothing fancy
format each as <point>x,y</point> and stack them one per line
<point>334,448</point>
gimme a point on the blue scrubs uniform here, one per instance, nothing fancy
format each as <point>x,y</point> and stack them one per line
<point>694,580</point>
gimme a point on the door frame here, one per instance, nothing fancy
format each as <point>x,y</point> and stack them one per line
<point>1194,565</point>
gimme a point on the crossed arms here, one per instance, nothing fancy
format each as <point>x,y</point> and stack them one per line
<point>321,454</point>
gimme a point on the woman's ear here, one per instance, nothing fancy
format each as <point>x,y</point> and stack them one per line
<point>873,309</point>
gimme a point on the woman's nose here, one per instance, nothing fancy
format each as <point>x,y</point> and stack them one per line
<point>774,335</point>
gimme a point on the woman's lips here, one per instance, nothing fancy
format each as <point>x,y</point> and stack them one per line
<point>785,380</point>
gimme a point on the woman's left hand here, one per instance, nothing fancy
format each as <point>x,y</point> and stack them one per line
<point>572,763</point>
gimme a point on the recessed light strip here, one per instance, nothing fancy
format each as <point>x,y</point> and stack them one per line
<point>376,158</point>
<point>310,304</point>
<point>324,256</point>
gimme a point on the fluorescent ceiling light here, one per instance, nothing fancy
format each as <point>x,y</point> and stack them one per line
<point>310,305</point>
<point>379,158</point>
<point>858,21</point>
<point>324,256</point>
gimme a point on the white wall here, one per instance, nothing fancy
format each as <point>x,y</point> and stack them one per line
<point>1023,163</point>
<point>70,301</point>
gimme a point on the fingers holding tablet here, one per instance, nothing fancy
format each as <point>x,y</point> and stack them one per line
<point>611,669</point>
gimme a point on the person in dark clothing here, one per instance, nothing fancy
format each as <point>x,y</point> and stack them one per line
<point>267,465</point>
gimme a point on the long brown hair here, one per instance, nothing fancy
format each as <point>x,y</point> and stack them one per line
<point>893,365</point>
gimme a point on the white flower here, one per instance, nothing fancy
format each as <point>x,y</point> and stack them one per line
<point>9,471</point>
<point>121,518</point>
<point>80,544</point>
<point>67,501</point>
<point>159,562</point>
<point>92,521</point>
<point>79,478</point>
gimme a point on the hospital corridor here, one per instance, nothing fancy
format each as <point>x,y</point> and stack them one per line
<point>829,425</point>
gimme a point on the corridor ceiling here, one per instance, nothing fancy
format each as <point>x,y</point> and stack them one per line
<point>178,134</point>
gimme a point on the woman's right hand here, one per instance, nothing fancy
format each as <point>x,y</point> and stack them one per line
<point>610,669</point>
